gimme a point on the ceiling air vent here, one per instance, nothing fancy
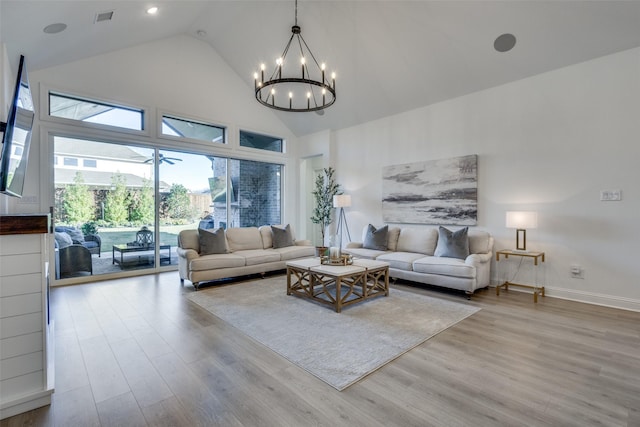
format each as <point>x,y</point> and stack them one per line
<point>103,16</point>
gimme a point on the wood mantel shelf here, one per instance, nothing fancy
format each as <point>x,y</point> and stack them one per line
<point>24,224</point>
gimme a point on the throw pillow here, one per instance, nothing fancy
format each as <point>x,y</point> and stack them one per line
<point>76,235</point>
<point>452,244</point>
<point>212,241</point>
<point>376,238</point>
<point>282,237</point>
<point>63,239</point>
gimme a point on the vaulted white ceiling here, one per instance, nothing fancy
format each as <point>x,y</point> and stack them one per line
<point>389,56</point>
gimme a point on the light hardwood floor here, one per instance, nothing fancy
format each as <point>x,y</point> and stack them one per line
<point>136,352</point>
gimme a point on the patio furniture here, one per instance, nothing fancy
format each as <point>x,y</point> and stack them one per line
<point>92,242</point>
<point>75,260</point>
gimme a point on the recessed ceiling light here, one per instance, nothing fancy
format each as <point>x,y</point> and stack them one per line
<point>152,10</point>
<point>504,42</point>
<point>55,28</point>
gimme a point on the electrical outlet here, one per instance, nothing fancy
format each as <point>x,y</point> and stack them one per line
<point>610,195</point>
<point>576,271</point>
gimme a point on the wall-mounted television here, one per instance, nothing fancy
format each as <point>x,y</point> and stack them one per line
<point>16,137</point>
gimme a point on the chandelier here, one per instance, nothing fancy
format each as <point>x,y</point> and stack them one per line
<point>304,87</point>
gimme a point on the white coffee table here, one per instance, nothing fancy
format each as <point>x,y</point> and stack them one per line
<point>337,285</point>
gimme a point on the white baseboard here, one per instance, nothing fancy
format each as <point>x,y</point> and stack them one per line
<point>587,297</point>
<point>594,298</point>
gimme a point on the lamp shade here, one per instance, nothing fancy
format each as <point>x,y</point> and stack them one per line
<point>342,201</point>
<point>522,219</point>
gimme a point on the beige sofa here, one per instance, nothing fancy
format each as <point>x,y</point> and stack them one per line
<point>250,251</point>
<point>410,254</point>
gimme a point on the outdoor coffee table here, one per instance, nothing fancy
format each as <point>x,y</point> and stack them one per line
<point>337,285</point>
<point>134,255</point>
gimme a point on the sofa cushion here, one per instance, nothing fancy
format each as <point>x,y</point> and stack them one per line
<point>212,241</point>
<point>75,234</point>
<point>400,260</point>
<point>258,256</point>
<point>293,252</point>
<point>281,237</point>
<point>63,239</point>
<point>479,242</point>
<point>444,266</point>
<point>392,238</point>
<point>418,240</point>
<point>364,253</point>
<point>243,238</point>
<point>452,244</point>
<point>212,262</point>
<point>376,238</point>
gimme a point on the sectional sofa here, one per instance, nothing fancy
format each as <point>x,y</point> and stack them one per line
<point>244,251</point>
<point>411,252</point>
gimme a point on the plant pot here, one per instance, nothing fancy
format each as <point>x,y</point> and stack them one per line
<point>321,250</point>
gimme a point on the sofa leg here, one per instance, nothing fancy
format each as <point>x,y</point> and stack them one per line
<point>182,281</point>
<point>262,275</point>
<point>469,293</point>
<point>196,285</point>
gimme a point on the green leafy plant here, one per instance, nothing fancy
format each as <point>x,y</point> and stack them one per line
<point>90,227</point>
<point>325,188</point>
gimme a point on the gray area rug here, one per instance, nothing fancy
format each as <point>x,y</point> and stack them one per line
<point>339,349</point>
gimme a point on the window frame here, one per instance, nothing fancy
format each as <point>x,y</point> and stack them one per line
<point>258,151</point>
<point>46,92</point>
<point>225,145</point>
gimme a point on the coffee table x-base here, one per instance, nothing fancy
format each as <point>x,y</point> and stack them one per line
<point>337,285</point>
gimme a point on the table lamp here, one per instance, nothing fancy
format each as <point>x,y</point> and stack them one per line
<point>521,220</point>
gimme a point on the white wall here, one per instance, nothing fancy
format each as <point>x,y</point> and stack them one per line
<point>181,75</point>
<point>548,143</point>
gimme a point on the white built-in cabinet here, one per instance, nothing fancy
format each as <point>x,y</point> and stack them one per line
<point>26,351</point>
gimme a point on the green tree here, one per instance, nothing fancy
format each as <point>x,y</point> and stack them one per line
<point>115,210</point>
<point>325,188</point>
<point>178,202</point>
<point>78,201</point>
<point>142,204</point>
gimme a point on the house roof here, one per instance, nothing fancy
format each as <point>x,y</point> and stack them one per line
<point>389,56</point>
<point>98,179</point>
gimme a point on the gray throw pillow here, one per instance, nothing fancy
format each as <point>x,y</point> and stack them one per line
<point>76,235</point>
<point>452,244</point>
<point>376,238</point>
<point>212,241</point>
<point>282,237</point>
<point>62,239</point>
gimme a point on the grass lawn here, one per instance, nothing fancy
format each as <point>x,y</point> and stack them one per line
<point>123,235</point>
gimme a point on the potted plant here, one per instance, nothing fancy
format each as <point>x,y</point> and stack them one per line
<point>325,188</point>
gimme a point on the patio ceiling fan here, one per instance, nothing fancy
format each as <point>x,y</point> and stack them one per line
<point>164,159</point>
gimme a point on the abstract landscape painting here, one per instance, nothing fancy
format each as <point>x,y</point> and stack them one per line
<point>432,192</point>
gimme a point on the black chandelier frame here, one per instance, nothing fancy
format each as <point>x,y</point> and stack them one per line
<point>267,97</point>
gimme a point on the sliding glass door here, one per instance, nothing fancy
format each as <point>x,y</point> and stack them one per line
<point>119,208</point>
<point>104,208</point>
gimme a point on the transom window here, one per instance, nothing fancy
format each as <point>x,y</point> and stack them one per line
<point>184,128</point>
<point>261,142</point>
<point>85,110</point>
